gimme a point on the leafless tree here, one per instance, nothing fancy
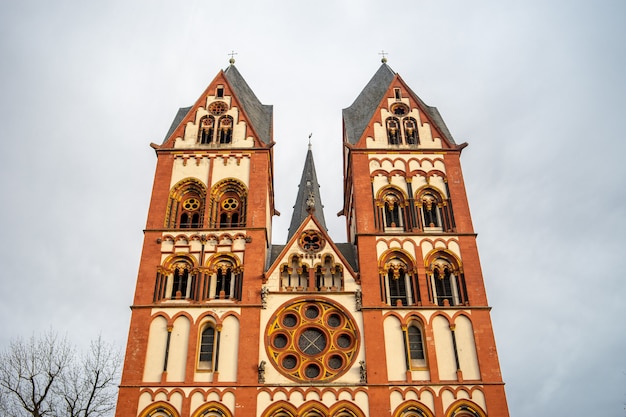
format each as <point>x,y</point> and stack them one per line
<point>45,377</point>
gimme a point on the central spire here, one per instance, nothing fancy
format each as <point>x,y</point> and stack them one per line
<point>308,200</point>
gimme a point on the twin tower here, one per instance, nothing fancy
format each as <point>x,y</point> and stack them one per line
<point>393,323</point>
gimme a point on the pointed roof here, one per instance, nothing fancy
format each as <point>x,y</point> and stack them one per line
<point>345,251</point>
<point>259,114</point>
<point>308,200</point>
<point>360,113</point>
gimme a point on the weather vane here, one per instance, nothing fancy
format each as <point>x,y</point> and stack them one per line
<point>310,134</point>
<point>384,54</point>
<point>232,57</point>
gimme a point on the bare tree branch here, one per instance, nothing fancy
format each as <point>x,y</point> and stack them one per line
<point>44,377</point>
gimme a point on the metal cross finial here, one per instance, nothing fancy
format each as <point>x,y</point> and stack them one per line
<point>232,57</point>
<point>384,54</point>
<point>310,134</point>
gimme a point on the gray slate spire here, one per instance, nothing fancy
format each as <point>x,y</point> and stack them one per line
<point>358,115</point>
<point>308,200</point>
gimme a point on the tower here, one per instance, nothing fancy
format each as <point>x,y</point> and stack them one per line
<point>394,322</point>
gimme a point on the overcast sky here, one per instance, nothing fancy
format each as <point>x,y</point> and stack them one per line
<point>536,88</point>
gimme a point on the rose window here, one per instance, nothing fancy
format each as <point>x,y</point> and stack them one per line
<point>312,340</point>
<point>191,204</point>
<point>311,241</point>
<point>218,108</point>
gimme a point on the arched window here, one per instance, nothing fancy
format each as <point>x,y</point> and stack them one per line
<point>229,210</point>
<point>392,213</point>
<point>180,282</point>
<point>414,410</point>
<point>224,279</point>
<point>329,275</point>
<point>393,131</point>
<point>206,129</point>
<point>410,131</point>
<point>186,205</point>
<point>447,283</point>
<point>225,129</point>
<point>207,348</point>
<point>295,275</point>
<point>228,204</point>
<point>435,211</point>
<point>467,409</point>
<point>430,209</point>
<point>415,343</point>
<point>399,281</point>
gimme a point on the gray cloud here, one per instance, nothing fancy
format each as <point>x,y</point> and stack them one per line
<point>535,88</point>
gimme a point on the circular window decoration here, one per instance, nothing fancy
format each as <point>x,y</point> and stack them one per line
<point>311,241</point>
<point>312,340</point>
<point>399,109</point>
<point>230,203</point>
<point>191,204</point>
<point>217,108</point>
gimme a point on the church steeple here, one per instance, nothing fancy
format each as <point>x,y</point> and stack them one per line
<point>308,200</point>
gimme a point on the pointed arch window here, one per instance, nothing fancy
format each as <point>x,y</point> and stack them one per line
<point>228,200</point>
<point>186,205</point>
<point>447,283</point>
<point>206,129</point>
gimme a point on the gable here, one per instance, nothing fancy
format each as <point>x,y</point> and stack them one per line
<point>228,95</point>
<point>387,96</point>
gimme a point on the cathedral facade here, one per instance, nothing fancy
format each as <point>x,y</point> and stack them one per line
<point>394,322</point>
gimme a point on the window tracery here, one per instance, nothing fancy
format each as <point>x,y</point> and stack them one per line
<point>328,275</point>
<point>312,340</point>
<point>185,208</point>
<point>228,200</point>
<point>206,129</point>
<point>294,275</point>
<point>447,282</point>
<point>399,285</point>
<point>392,213</point>
<point>401,129</point>
<point>434,210</point>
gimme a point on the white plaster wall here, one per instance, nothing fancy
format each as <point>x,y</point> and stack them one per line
<point>445,350</point>
<point>197,400</point>
<point>155,353</point>
<point>394,349</point>
<point>145,399</point>
<point>229,348</point>
<point>466,348</point>
<point>176,399</point>
<point>190,169</point>
<point>232,169</point>
<point>177,359</point>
